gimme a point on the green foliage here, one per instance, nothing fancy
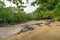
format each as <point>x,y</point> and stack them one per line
<point>49,9</point>
<point>21,17</point>
<point>6,15</point>
<point>57,18</point>
<point>18,3</point>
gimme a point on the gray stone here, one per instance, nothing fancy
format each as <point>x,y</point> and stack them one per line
<point>39,24</point>
<point>27,28</point>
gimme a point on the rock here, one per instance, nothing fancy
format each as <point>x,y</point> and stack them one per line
<point>48,22</point>
<point>27,28</point>
<point>39,24</point>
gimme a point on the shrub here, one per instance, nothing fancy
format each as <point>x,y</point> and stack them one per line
<point>57,18</point>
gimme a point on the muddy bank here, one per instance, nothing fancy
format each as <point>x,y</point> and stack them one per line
<point>20,28</point>
<point>41,33</point>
